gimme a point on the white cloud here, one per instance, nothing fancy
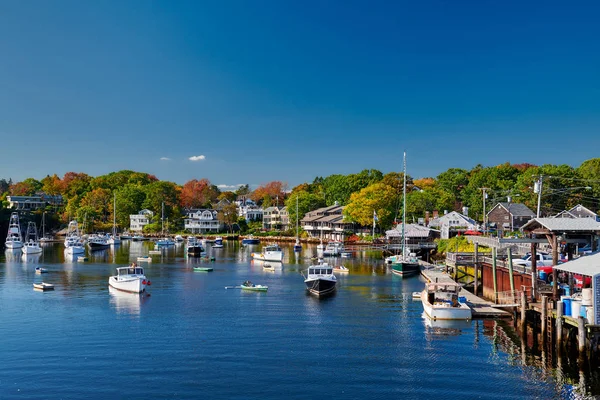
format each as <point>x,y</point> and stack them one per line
<point>165,159</point>
<point>197,158</point>
<point>229,187</point>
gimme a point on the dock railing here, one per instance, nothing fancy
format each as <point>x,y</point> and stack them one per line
<point>510,298</point>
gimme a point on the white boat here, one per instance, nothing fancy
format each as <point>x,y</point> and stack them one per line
<point>44,238</point>
<point>441,301</point>
<point>218,240</point>
<point>40,270</point>
<point>320,279</point>
<point>98,241</point>
<point>73,241</point>
<point>114,238</point>
<point>333,249</point>
<point>43,286</point>
<point>217,246</point>
<point>297,245</point>
<point>340,268</point>
<point>179,238</point>
<point>346,254</point>
<point>14,240</point>
<point>32,245</point>
<point>138,237</point>
<point>129,279</point>
<point>194,246</point>
<point>144,259</point>
<point>271,252</point>
<point>126,235</point>
<point>164,241</point>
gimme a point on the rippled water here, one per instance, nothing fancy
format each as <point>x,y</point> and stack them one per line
<point>192,338</point>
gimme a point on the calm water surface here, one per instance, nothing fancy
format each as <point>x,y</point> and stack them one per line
<point>192,338</point>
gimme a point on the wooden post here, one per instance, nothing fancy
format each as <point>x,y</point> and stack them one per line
<point>511,276</point>
<point>559,325</point>
<point>581,335</point>
<point>475,269</point>
<point>571,281</point>
<point>544,318</point>
<point>494,255</point>
<point>523,314</point>
<point>554,271</point>
<point>533,272</point>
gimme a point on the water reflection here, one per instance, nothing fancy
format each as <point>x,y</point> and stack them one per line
<point>31,258</point>
<point>126,303</point>
<point>444,328</point>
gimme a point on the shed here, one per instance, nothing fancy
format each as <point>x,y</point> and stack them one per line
<point>588,266</point>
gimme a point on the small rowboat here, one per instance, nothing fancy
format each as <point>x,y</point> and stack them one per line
<point>252,287</point>
<point>340,268</point>
<point>202,269</point>
<point>40,270</point>
<point>43,286</point>
<point>145,259</point>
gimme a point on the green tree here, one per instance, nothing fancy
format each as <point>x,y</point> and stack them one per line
<point>161,192</point>
<point>377,198</point>
<point>306,202</point>
<point>228,215</point>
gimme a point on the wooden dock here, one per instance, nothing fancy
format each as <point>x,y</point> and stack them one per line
<point>480,308</point>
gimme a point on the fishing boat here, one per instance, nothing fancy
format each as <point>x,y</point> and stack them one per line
<point>114,238</point>
<point>406,263</point>
<point>203,269</point>
<point>14,240</point>
<point>73,241</point>
<point>145,259</point>
<point>40,270</point>
<point>320,279</point>
<point>271,252</point>
<point>32,245</point>
<point>441,301</point>
<point>250,239</point>
<point>247,285</point>
<point>98,241</point>
<point>297,245</point>
<point>340,268</point>
<point>333,249</point>
<point>43,286</point>
<point>130,279</point>
<point>194,247</point>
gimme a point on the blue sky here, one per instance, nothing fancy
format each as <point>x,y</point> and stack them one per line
<point>264,90</point>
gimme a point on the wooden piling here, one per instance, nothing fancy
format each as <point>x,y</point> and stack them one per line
<point>476,270</point>
<point>534,285</point>
<point>544,318</point>
<point>581,335</point>
<point>511,275</point>
<point>523,314</point>
<point>494,265</point>
<point>559,325</point>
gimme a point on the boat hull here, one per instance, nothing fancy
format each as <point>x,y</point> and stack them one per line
<point>268,256</point>
<point>75,250</point>
<point>133,285</point>
<point>31,249</point>
<point>13,244</point>
<point>320,286</point>
<point>255,288</point>
<point>98,246</point>
<point>403,268</point>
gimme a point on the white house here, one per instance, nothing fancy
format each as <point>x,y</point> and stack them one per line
<point>139,220</point>
<point>203,221</point>
<point>249,210</point>
<point>453,222</point>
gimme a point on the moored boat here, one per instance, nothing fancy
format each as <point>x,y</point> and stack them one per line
<point>145,259</point>
<point>250,239</point>
<point>247,285</point>
<point>270,253</point>
<point>40,270</point>
<point>14,240</point>
<point>43,286</point>
<point>203,269</point>
<point>73,241</point>
<point>31,245</point>
<point>320,279</point>
<point>194,247</point>
<point>340,268</point>
<point>441,301</point>
<point>130,279</point>
<point>98,241</point>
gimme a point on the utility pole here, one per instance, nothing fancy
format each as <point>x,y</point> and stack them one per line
<point>484,195</point>
<point>537,188</point>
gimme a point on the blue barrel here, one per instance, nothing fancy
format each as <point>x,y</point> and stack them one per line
<point>583,311</point>
<point>566,305</point>
<point>543,275</point>
<point>462,299</point>
<point>566,290</point>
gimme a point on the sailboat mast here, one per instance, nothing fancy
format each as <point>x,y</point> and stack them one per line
<point>114,214</point>
<point>162,220</point>
<point>296,217</point>
<point>404,207</point>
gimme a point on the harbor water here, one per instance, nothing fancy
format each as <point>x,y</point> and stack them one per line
<point>190,337</point>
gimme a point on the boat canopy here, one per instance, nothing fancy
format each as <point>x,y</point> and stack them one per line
<point>130,271</point>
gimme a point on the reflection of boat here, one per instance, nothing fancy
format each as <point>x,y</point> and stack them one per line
<point>145,259</point>
<point>441,301</point>
<point>31,258</point>
<point>247,285</point>
<point>125,301</point>
<point>250,239</point>
<point>445,327</point>
<point>129,279</point>
<point>13,238</point>
<point>340,268</point>
<point>43,286</point>
<point>320,279</point>
<point>270,253</point>
<point>217,245</point>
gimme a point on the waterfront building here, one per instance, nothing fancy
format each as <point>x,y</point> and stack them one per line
<point>509,217</point>
<point>203,221</point>
<point>36,202</point>
<point>453,223</point>
<point>139,220</point>
<point>249,210</point>
<point>578,211</point>
<point>327,223</point>
<point>275,219</point>
<point>418,237</point>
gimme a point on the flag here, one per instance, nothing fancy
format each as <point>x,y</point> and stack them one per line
<point>375,219</point>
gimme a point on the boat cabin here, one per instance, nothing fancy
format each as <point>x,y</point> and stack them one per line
<point>272,247</point>
<point>320,270</point>
<point>443,292</point>
<point>130,271</point>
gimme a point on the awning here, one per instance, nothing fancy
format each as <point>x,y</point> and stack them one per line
<point>586,265</point>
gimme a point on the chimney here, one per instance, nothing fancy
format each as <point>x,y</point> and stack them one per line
<point>435,214</point>
<point>426,218</point>
<point>445,212</point>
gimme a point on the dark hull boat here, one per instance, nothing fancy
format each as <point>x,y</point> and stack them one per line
<point>320,279</point>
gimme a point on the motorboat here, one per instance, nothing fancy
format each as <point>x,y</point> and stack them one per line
<point>250,239</point>
<point>126,236</point>
<point>98,241</point>
<point>31,245</point>
<point>247,285</point>
<point>138,237</point>
<point>320,279</point>
<point>165,241</point>
<point>297,246</point>
<point>144,259</point>
<point>14,240</point>
<point>179,238</point>
<point>194,247</point>
<point>73,241</point>
<point>441,301</point>
<point>340,268</point>
<point>218,241</point>
<point>271,252</point>
<point>130,279</point>
<point>43,286</point>
<point>40,270</point>
<point>333,249</point>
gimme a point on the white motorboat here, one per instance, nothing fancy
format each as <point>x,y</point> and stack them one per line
<point>194,246</point>
<point>32,245</point>
<point>333,249</point>
<point>14,240</point>
<point>340,268</point>
<point>441,301</point>
<point>271,252</point>
<point>218,241</point>
<point>43,286</point>
<point>73,241</point>
<point>130,279</point>
<point>179,238</point>
<point>98,241</point>
<point>320,279</point>
<point>40,270</point>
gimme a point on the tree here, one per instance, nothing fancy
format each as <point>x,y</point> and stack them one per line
<point>275,190</point>
<point>100,202</point>
<point>161,192</point>
<point>453,181</point>
<point>4,186</point>
<point>378,198</point>
<point>228,215</point>
<point>52,185</point>
<point>230,196</point>
<point>75,184</point>
<point>197,193</point>
<point>589,171</point>
<point>306,202</point>
<point>130,200</point>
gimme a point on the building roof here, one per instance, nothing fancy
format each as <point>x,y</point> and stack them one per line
<point>563,224</point>
<point>580,211</point>
<point>516,209</point>
<point>586,265</point>
<point>412,230</point>
<point>452,214</point>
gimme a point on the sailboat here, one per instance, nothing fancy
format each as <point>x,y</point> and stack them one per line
<point>13,238</point>
<point>405,264</point>
<point>44,239</point>
<point>114,238</point>
<point>73,241</point>
<point>31,246</point>
<point>164,241</point>
<point>297,245</point>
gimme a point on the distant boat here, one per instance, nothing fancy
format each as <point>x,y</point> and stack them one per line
<point>98,241</point>
<point>73,241</point>
<point>40,270</point>
<point>247,285</point>
<point>14,240</point>
<point>144,259</point>
<point>126,236</point>
<point>194,247</point>
<point>179,238</point>
<point>43,286</point>
<point>320,279</point>
<point>114,238</point>
<point>203,269</point>
<point>269,253</point>
<point>218,240</point>
<point>297,245</point>
<point>340,268</point>
<point>32,245</point>
<point>250,239</point>
<point>130,279</point>
<point>333,249</point>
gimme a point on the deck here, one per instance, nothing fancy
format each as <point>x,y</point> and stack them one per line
<point>480,308</point>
